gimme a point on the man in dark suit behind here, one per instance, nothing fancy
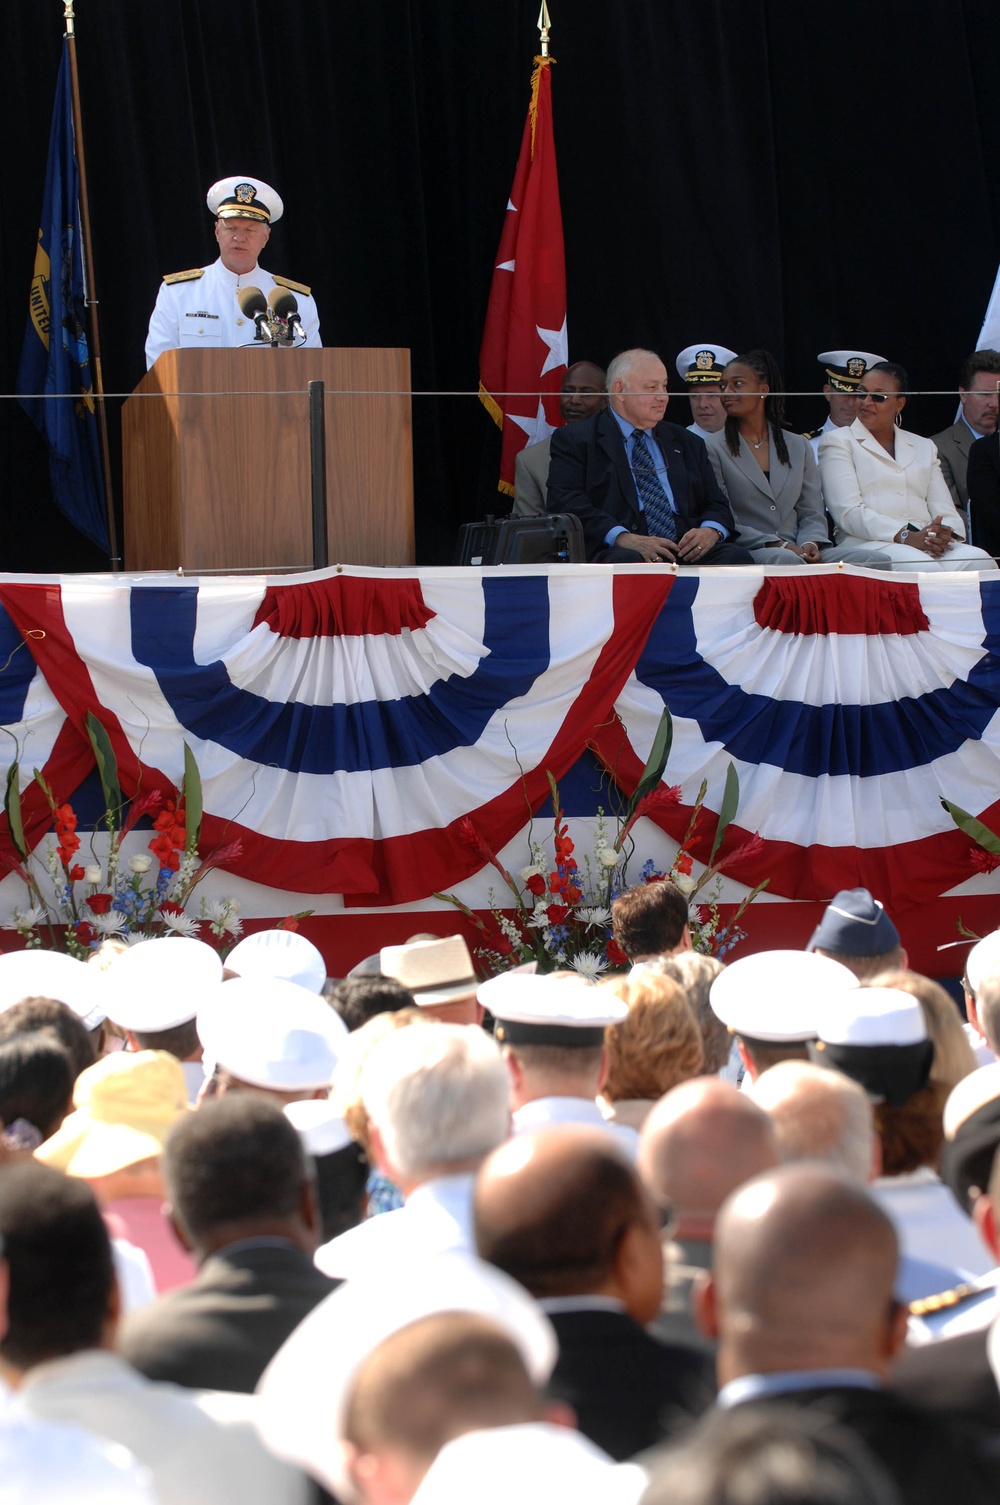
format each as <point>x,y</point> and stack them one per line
<point>801,1302</point>
<point>242,1198</point>
<point>564,1212</point>
<point>643,489</point>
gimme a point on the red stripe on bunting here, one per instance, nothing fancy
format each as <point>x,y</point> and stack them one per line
<point>913,872</point>
<point>806,605</point>
<point>344,606</point>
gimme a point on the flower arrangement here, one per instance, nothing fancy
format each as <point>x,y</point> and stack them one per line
<point>73,905</point>
<point>560,916</point>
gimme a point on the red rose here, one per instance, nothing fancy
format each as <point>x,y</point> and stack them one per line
<point>556,913</point>
<point>502,946</point>
<point>85,933</point>
<point>170,907</point>
<point>616,955</point>
<point>535,885</point>
<point>99,903</point>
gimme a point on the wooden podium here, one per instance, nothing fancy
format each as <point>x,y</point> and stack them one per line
<point>216,460</point>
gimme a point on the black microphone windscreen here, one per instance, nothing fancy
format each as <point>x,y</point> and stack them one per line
<point>283,303</point>
<point>251,301</point>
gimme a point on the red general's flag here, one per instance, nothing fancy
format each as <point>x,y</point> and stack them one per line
<point>523,355</point>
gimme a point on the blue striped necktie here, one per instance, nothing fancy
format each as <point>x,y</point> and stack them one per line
<point>660,520</point>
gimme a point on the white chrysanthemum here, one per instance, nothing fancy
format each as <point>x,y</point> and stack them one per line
<point>112,923</point>
<point>596,916</point>
<point>233,926</point>
<point>25,919</point>
<point>180,924</point>
<point>589,964</point>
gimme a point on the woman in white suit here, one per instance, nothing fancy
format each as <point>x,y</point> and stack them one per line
<point>884,485</point>
<point>770,474</point>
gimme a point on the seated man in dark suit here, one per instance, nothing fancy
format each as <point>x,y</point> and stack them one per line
<point>643,489</point>
<point>242,1199</point>
<point>801,1302</point>
<point>983,477</point>
<point>564,1213</point>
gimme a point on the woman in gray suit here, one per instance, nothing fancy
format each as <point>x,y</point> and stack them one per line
<point>770,474</point>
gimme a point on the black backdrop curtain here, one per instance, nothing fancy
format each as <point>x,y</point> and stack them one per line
<point>797,175</point>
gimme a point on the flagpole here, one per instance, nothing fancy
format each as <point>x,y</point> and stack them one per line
<point>544,26</point>
<point>89,298</point>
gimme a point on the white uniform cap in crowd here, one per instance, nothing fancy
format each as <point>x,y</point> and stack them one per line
<point>983,959</point>
<point>772,996</point>
<point>51,974</point>
<point>703,363</point>
<point>60,1464</point>
<point>304,1390</point>
<point>271,1034</point>
<point>969,1095</point>
<point>879,1037</point>
<point>279,953</point>
<point>160,983</point>
<point>557,1008</point>
<point>521,1462</point>
<point>245,198</point>
<point>434,971</point>
<point>843,369</point>
<point>320,1127</point>
<point>971,1134</point>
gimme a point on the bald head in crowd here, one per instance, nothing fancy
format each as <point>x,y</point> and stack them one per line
<point>564,1213</point>
<point>820,1115</point>
<point>701,1141</point>
<point>802,1279</point>
<point>432,1381</point>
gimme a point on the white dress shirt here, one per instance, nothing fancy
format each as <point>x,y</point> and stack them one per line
<point>435,1218</point>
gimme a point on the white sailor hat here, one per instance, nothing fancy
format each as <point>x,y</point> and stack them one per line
<point>161,982</point>
<point>52,974</point>
<point>435,971</point>
<point>877,1036</point>
<point>321,1128</point>
<point>703,363</point>
<point>558,1008</point>
<point>843,369</point>
<point>520,1462</point>
<point>772,995</point>
<point>854,924</point>
<point>245,198</point>
<point>304,1390</point>
<point>279,953</point>
<point>971,1134</point>
<point>983,959</point>
<point>271,1034</point>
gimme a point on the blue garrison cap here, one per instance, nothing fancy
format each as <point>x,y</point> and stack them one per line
<point>854,924</point>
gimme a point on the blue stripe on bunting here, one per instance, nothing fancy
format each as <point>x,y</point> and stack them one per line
<point>17,670</point>
<point>344,738</point>
<point>863,741</point>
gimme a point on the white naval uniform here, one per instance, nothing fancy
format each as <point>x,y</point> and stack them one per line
<point>553,1112</point>
<point>827,428</point>
<point>696,428</point>
<point>201,313</point>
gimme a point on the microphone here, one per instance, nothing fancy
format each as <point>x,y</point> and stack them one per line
<point>285,306</point>
<point>253,305</point>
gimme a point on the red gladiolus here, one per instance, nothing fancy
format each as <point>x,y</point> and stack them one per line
<point>288,923</point>
<point>99,903</point>
<point>983,861</point>
<point>502,946</point>
<point>535,885</point>
<point>683,863</point>
<point>77,872</point>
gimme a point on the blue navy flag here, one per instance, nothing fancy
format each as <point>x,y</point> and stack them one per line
<point>55,358</point>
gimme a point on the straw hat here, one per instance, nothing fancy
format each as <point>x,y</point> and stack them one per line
<point>125,1105</point>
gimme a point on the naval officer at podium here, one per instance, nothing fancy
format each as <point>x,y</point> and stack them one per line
<point>201,309</point>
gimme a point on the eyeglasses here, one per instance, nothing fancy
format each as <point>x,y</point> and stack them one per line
<point>878,397</point>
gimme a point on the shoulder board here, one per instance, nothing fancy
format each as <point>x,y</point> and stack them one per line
<point>190,276</point>
<point>296,287</point>
<point>943,1301</point>
<point>812,433</point>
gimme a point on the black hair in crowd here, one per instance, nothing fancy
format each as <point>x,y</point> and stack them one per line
<point>766,367</point>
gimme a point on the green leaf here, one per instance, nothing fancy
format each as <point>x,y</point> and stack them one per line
<point>980,834</point>
<point>728,809</point>
<point>12,805</point>
<point>192,798</point>
<point>659,752</point>
<point>107,767</point>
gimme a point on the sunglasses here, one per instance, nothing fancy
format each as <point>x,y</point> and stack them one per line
<point>878,397</point>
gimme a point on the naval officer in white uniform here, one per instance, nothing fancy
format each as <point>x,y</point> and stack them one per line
<point>198,309</point>
<point>700,369</point>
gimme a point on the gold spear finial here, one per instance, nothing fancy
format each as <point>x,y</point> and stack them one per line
<point>68,16</point>
<point>543,26</point>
